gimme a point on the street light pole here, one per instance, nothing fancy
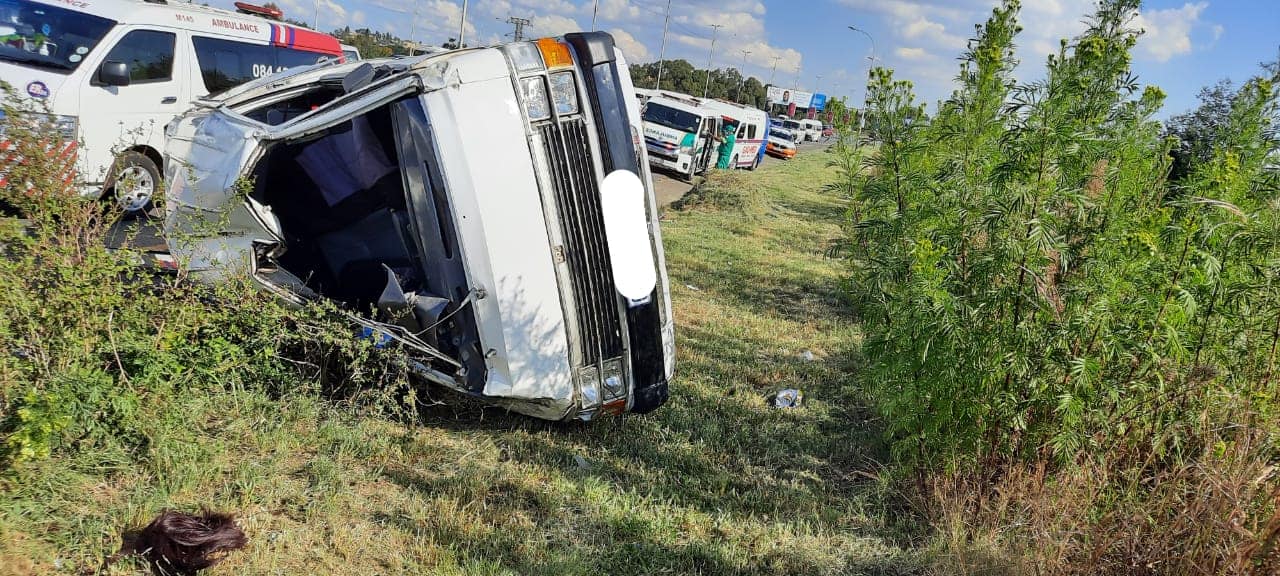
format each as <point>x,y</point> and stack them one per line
<point>462,28</point>
<point>710,56</point>
<point>862,113</point>
<point>663,51</point>
<point>595,11</point>
<point>742,74</point>
<point>413,30</point>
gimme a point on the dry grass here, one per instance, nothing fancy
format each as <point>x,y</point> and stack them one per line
<point>1217,514</point>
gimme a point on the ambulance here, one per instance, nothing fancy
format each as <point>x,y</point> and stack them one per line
<point>753,126</point>
<point>680,133</point>
<point>110,74</point>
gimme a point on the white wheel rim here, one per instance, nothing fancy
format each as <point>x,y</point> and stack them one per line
<point>134,188</point>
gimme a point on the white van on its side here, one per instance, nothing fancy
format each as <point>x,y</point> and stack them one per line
<point>113,73</point>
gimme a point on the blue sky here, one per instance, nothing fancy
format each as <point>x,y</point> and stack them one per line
<point>1188,44</point>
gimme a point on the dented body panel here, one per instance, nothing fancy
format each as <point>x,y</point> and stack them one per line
<point>464,216</point>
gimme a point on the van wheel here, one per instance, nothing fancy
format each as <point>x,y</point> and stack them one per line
<point>755,163</point>
<point>733,164</point>
<point>134,185</point>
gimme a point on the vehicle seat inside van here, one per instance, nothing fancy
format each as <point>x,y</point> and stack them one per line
<point>341,205</point>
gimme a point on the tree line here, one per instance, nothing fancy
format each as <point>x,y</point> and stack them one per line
<point>681,76</point>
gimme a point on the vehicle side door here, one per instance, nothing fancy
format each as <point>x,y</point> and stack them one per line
<point>706,139</point>
<point>133,116</point>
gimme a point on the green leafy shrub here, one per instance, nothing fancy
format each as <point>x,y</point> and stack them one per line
<point>99,355</point>
<point>1035,293</point>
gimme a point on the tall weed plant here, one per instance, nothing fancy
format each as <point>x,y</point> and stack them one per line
<point>1044,309</point>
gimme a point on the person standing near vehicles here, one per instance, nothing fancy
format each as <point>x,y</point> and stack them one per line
<point>727,138</point>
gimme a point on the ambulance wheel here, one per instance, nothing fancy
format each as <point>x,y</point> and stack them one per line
<point>733,164</point>
<point>755,163</point>
<point>134,186</point>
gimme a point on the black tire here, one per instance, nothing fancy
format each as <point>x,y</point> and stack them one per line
<point>138,172</point>
<point>755,163</point>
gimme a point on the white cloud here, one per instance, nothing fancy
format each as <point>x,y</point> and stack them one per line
<point>552,25</point>
<point>923,37</point>
<point>428,21</point>
<point>358,17</point>
<point>911,53</point>
<point>1168,31</point>
<point>619,11</point>
<point>330,13</point>
<point>633,49</point>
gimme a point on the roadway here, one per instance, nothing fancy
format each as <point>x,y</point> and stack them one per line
<point>144,232</point>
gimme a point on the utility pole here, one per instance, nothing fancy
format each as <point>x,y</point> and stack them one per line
<point>743,73</point>
<point>595,11</point>
<point>818,85</point>
<point>413,30</point>
<point>315,18</point>
<point>772,73</point>
<point>710,56</point>
<point>662,52</point>
<point>519,23</point>
<point>462,27</point>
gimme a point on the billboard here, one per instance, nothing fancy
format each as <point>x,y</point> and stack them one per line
<point>786,97</point>
<point>819,102</point>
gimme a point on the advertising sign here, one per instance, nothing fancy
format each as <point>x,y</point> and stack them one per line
<point>819,102</point>
<point>787,97</point>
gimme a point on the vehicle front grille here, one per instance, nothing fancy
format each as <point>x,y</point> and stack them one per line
<point>577,197</point>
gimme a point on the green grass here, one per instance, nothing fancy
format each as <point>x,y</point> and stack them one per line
<point>715,482</point>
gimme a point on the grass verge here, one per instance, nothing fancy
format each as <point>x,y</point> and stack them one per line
<point>715,482</point>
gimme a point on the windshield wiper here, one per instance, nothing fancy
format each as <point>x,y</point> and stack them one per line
<point>37,62</point>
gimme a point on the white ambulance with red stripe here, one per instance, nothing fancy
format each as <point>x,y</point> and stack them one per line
<point>112,73</point>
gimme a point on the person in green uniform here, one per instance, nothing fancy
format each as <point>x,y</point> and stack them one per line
<point>728,137</point>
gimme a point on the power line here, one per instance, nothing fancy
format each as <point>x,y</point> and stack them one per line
<point>519,23</point>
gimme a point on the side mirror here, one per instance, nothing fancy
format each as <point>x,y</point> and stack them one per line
<point>113,74</point>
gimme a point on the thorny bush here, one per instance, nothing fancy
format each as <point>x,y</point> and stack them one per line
<point>1049,322</point>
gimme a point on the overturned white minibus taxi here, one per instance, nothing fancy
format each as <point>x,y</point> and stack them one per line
<point>490,210</point>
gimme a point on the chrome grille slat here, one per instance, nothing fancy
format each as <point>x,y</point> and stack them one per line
<point>577,197</point>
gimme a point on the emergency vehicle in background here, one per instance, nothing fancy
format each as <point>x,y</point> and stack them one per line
<point>680,133</point>
<point>350,53</point>
<point>753,125</point>
<point>112,73</point>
